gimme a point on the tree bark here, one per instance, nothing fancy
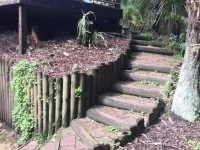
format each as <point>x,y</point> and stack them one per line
<point>186,103</point>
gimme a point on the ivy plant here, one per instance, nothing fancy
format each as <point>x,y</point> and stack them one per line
<point>22,114</point>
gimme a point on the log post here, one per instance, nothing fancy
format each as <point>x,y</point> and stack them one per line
<point>45,99</point>
<point>73,102</point>
<point>39,85</point>
<point>66,101</point>
<point>82,96</point>
<point>22,29</point>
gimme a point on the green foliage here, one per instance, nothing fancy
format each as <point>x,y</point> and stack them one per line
<point>78,92</point>
<point>98,39</point>
<point>170,86</point>
<point>149,83</point>
<point>111,129</point>
<point>83,27</point>
<point>195,144</point>
<point>22,114</point>
<point>40,138</point>
<point>177,44</point>
<point>148,35</point>
<point>138,11</point>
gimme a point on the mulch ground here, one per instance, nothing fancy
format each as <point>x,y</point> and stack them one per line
<point>169,133</point>
<point>63,55</point>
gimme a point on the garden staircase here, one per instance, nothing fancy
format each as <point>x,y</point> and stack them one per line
<point>132,103</point>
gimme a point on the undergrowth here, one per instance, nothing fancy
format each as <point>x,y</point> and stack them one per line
<point>22,114</point>
<point>195,144</point>
<point>83,27</point>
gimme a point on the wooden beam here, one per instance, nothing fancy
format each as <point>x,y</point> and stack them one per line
<point>22,29</point>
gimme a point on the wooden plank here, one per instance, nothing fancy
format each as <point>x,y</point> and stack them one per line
<point>22,29</point>
<point>35,107</point>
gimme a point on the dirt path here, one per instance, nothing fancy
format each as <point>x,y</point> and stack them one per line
<point>8,138</point>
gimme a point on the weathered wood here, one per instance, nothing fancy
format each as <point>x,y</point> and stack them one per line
<point>88,91</point>
<point>51,106</point>
<point>66,101</point>
<point>35,107</point>
<point>103,71</point>
<point>39,85</point>
<point>82,96</point>
<point>22,29</point>
<point>58,105</point>
<point>106,75</point>
<point>94,86</point>
<point>45,98</point>
<point>98,81</point>
<point>6,91</point>
<point>73,102</point>
<point>1,83</point>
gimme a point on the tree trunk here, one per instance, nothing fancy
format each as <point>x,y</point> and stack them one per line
<point>186,103</point>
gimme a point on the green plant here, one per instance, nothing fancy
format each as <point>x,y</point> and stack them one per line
<point>111,129</point>
<point>143,82</point>
<point>83,27</point>
<point>195,144</point>
<point>148,35</point>
<point>40,138</point>
<point>78,92</point>
<point>22,114</point>
<point>98,39</point>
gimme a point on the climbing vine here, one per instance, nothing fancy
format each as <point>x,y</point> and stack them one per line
<point>22,114</point>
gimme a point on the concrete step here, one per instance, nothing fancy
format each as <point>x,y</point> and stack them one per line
<point>128,102</point>
<point>140,75</point>
<point>152,62</point>
<point>121,119</point>
<point>147,43</point>
<point>94,133</point>
<point>138,89</point>
<point>152,49</point>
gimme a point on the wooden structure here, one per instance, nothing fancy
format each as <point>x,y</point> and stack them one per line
<point>29,12</point>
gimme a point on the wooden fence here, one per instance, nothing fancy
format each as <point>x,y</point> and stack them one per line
<point>57,101</point>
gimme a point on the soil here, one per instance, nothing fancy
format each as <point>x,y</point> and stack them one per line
<point>8,138</point>
<point>169,133</point>
<point>63,55</point>
<point>156,59</point>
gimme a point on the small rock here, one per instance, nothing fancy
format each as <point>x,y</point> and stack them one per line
<point>66,54</point>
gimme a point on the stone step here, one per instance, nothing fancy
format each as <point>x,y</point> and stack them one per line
<point>147,43</point>
<point>94,133</point>
<point>141,75</point>
<point>152,49</point>
<point>121,119</point>
<point>152,62</point>
<point>128,102</point>
<point>138,89</point>
<point>31,145</point>
<point>70,140</point>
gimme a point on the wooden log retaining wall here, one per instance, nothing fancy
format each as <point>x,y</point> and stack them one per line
<point>54,100</point>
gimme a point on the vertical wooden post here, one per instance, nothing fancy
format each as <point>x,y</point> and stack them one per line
<point>51,107</point>
<point>35,107</point>
<point>39,85</point>
<point>65,104</point>
<point>74,83</point>
<point>22,29</point>
<point>82,97</point>
<point>58,104</point>
<point>94,86</point>
<point>45,97</point>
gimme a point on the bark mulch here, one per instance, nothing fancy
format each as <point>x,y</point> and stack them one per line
<point>63,55</point>
<point>169,133</point>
